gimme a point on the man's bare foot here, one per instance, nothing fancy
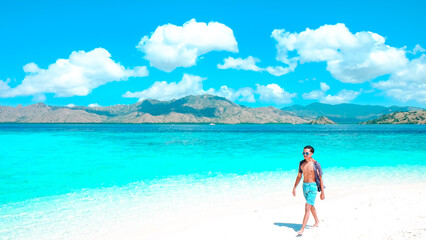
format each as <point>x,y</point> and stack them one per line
<point>315,225</point>
<point>300,233</point>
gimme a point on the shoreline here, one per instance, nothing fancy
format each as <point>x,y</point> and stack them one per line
<point>209,123</point>
<point>389,211</point>
<point>251,206</point>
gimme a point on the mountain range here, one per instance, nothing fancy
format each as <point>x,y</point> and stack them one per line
<point>345,112</point>
<point>190,109</point>
<point>195,109</point>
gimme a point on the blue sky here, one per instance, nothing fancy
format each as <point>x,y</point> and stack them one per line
<point>257,53</point>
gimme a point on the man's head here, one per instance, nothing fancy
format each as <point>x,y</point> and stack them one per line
<point>308,151</point>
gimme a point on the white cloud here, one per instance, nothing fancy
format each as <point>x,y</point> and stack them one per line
<point>324,87</point>
<point>250,64</point>
<point>189,85</point>
<point>172,46</point>
<point>351,58</point>
<point>271,93</point>
<point>31,68</point>
<point>93,105</point>
<point>408,83</point>
<point>279,71</point>
<point>355,58</point>
<point>4,86</point>
<point>240,64</point>
<point>246,94</point>
<point>274,93</point>
<point>76,76</point>
<point>417,49</point>
<point>192,85</point>
<point>315,94</point>
<point>343,96</point>
<point>70,105</point>
<point>242,94</point>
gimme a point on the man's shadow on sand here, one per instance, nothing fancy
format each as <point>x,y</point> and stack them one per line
<point>295,226</point>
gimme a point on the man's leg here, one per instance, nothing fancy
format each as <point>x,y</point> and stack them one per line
<point>305,218</point>
<point>314,213</point>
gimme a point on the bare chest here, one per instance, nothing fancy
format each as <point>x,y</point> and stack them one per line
<point>307,168</point>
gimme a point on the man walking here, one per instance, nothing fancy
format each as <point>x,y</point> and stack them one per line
<point>312,183</point>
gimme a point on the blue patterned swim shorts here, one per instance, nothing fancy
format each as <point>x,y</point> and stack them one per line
<point>310,192</point>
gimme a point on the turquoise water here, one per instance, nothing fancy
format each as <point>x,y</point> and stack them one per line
<point>64,173</point>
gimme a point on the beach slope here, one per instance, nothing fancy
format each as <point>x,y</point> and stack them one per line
<point>363,212</point>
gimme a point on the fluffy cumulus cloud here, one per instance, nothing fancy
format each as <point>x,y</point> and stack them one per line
<point>408,83</point>
<point>192,85</point>
<point>245,94</point>
<point>279,71</point>
<point>317,94</point>
<point>250,64</point>
<point>274,93</point>
<point>324,87</point>
<point>76,76</point>
<point>350,58</point>
<point>162,90</point>
<point>240,64</point>
<point>271,93</point>
<point>343,96</point>
<point>94,105</point>
<point>172,46</point>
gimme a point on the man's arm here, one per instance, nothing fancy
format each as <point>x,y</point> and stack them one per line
<point>322,196</point>
<point>299,176</point>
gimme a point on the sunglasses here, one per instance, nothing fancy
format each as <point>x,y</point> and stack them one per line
<point>305,153</point>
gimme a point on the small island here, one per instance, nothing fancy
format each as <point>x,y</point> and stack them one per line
<point>322,121</point>
<point>410,117</point>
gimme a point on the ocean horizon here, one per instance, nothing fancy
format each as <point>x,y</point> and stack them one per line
<point>60,179</point>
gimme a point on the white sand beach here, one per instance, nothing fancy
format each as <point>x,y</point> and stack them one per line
<point>394,211</point>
